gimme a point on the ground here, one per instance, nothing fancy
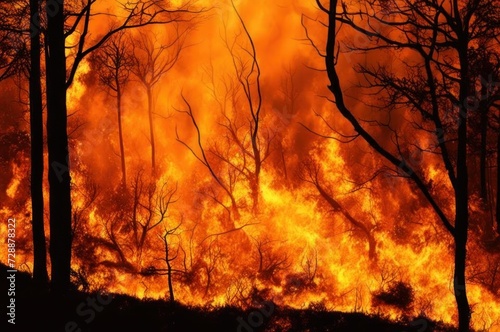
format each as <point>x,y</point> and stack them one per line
<point>38,310</point>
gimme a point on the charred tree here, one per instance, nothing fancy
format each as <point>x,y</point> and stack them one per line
<point>498,183</point>
<point>169,258</point>
<point>484,70</point>
<point>150,209</point>
<point>257,150</point>
<point>20,56</point>
<point>312,175</point>
<point>60,77</point>
<point>243,134</point>
<point>152,60</point>
<point>129,223</point>
<point>36,129</point>
<point>227,185</point>
<point>428,30</point>
<point>270,260</point>
<point>115,64</point>
<point>483,110</point>
<point>57,146</point>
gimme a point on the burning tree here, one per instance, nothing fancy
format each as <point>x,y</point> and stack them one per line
<point>37,163</point>
<point>245,137</point>
<point>168,232</point>
<point>432,89</point>
<point>117,232</point>
<point>152,59</point>
<point>269,260</point>
<point>128,229</point>
<point>62,24</point>
<point>20,55</point>
<point>485,69</point>
<point>311,173</point>
<point>253,141</point>
<point>226,182</point>
<point>115,64</point>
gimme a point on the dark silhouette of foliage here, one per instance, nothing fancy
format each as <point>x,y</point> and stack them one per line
<point>125,313</point>
<point>398,294</point>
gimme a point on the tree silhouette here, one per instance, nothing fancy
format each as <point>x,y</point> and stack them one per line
<point>17,58</point>
<point>435,90</point>
<point>227,183</point>
<point>498,177</point>
<point>152,60</point>
<point>130,223</point>
<point>60,76</point>
<point>244,135</point>
<point>270,261</point>
<point>115,64</point>
<point>311,173</point>
<point>485,69</point>
<point>255,146</point>
<point>37,163</point>
<point>169,257</point>
<point>57,143</point>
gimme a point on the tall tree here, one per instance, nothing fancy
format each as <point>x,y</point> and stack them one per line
<point>16,57</point>
<point>484,66</point>
<point>57,144</point>
<point>244,134</point>
<point>498,181</point>
<point>248,77</point>
<point>137,14</point>
<point>115,63</point>
<point>152,60</point>
<point>311,172</point>
<point>36,129</point>
<point>169,257</point>
<point>226,182</point>
<point>435,90</point>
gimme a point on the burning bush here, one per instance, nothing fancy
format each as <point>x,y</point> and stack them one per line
<point>298,282</point>
<point>398,294</point>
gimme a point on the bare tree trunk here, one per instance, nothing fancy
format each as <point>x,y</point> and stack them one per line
<point>372,245</point>
<point>460,263</point>
<point>255,191</point>
<point>120,134</point>
<point>57,142</point>
<point>488,221</point>
<point>255,183</point>
<point>462,196</point>
<point>36,129</point>
<point>484,132</point>
<point>283,160</point>
<point>498,184</point>
<point>459,231</point>
<point>461,228</point>
<point>151,128</point>
<point>169,273</point>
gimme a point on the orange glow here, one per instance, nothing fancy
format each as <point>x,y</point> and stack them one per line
<point>294,245</point>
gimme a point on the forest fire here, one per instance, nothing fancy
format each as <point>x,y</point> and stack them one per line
<point>215,160</point>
